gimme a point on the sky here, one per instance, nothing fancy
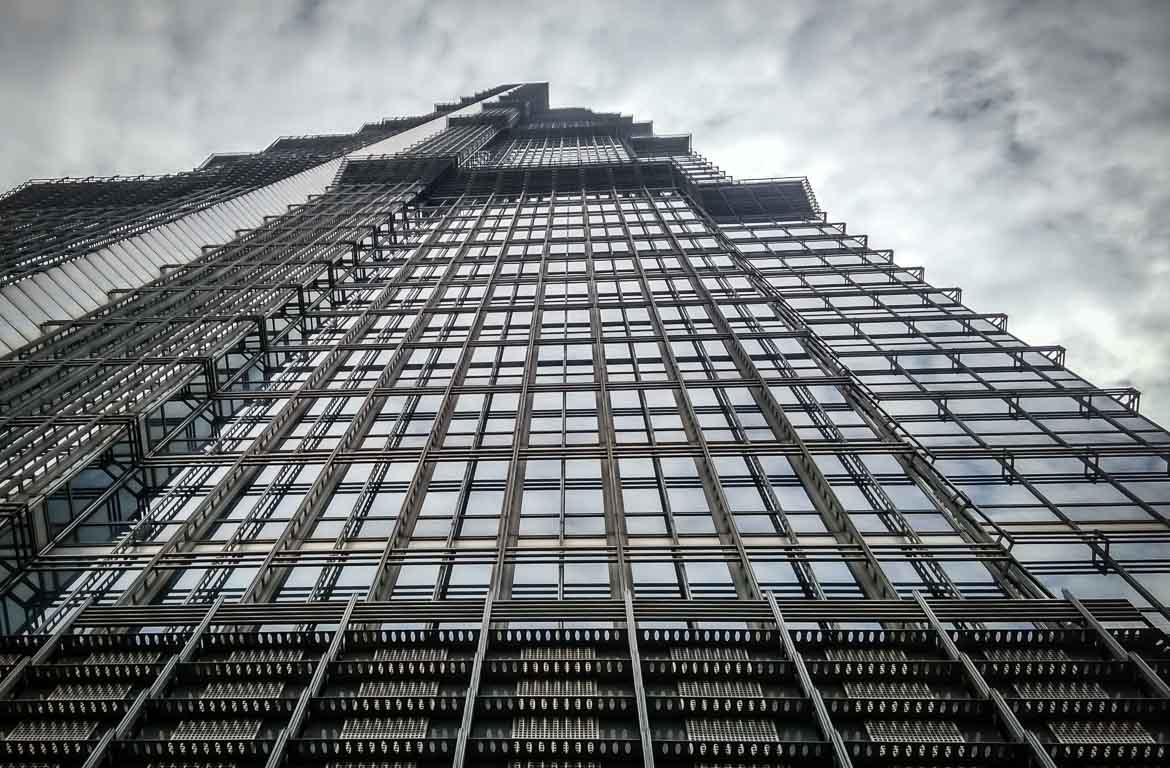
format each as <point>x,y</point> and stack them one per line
<point>1018,150</point>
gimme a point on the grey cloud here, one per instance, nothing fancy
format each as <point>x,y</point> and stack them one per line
<point>1021,150</point>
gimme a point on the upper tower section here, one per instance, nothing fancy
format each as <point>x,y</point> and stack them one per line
<point>70,246</point>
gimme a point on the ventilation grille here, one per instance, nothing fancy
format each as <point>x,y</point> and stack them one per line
<point>1098,732</point>
<point>889,689</point>
<point>410,654</point>
<point>709,653</point>
<point>256,655</point>
<point>714,688</point>
<point>866,655</point>
<point>553,764</point>
<point>244,689</point>
<point>739,729</point>
<point>192,763</point>
<point>214,730</point>
<point>122,657</point>
<point>583,728</point>
<point>741,765</point>
<point>89,691</point>
<point>373,764</point>
<point>388,689</point>
<point>1025,654</point>
<point>913,730</point>
<point>558,687</point>
<point>1060,689</point>
<point>51,730</point>
<point>385,728</point>
<point>552,653</point>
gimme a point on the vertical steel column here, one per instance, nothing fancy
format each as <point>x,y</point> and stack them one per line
<point>126,724</point>
<point>1118,651</point>
<point>312,689</point>
<point>1006,716</point>
<point>639,686</point>
<point>386,573</point>
<point>149,580</point>
<point>808,687</point>
<point>43,653</point>
<point>621,576</point>
<point>416,493</point>
<point>503,573</point>
<point>742,573</point>
<point>265,583</point>
<point>473,684</point>
<point>869,573</point>
<point>866,406</point>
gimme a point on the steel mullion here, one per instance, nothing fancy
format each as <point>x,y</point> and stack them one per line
<point>225,491</point>
<point>473,683</point>
<point>644,732</point>
<point>869,574</point>
<point>743,575</point>
<point>621,576</point>
<point>508,537</point>
<point>915,468</point>
<point>807,686</point>
<point>1117,651</point>
<point>324,484</point>
<point>1006,716</point>
<point>386,576</point>
<point>195,327</point>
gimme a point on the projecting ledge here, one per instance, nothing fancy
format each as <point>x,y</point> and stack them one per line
<point>394,169</point>
<point>763,199</point>
<point>651,146</point>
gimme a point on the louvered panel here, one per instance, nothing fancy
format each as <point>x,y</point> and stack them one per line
<point>243,689</point>
<point>556,687</point>
<point>716,688</point>
<point>1097,732</point>
<point>215,730</point>
<point>373,764</point>
<point>123,657</point>
<point>712,653</point>
<point>1025,654</point>
<point>555,728</point>
<point>913,730</point>
<point>261,655</point>
<point>1059,689</point>
<point>732,729</point>
<point>411,654</point>
<point>51,730</point>
<point>866,655</point>
<point>552,653</point>
<point>888,689</point>
<point>392,688</point>
<point>385,728</point>
<point>89,691</point>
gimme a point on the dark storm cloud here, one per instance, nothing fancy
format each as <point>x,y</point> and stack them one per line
<point>1021,151</point>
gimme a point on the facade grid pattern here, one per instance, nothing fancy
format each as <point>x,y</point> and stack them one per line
<point>539,440</point>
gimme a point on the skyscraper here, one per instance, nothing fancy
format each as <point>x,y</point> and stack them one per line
<point>511,435</point>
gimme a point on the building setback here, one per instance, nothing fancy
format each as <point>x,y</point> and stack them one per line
<point>520,436</point>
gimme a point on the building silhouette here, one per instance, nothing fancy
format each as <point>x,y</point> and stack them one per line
<point>510,435</point>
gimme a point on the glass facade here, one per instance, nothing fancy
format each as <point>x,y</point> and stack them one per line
<point>539,441</point>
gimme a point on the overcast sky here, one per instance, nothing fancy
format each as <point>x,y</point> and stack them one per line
<point>1018,150</point>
